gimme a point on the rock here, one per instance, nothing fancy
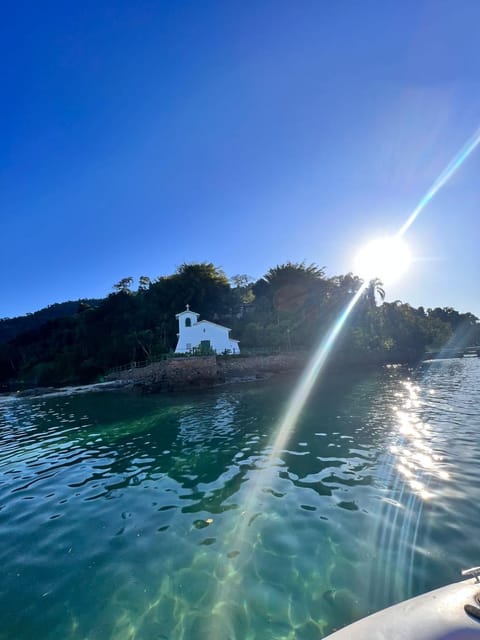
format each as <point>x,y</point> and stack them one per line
<point>200,372</point>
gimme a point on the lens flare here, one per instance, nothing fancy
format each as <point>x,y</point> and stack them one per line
<point>297,402</point>
<point>467,149</point>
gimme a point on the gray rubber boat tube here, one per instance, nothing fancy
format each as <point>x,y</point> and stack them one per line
<point>436,615</point>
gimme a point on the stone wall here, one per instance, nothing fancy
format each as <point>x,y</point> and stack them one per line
<point>173,374</point>
<point>231,367</point>
<point>177,374</point>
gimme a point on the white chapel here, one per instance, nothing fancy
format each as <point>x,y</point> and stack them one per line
<point>194,334</point>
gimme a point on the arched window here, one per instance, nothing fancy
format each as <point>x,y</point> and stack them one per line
<point>188,322</point>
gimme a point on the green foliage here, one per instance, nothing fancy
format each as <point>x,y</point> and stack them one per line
<point>123,286</point>
<point>203,350</point>
<point>144,283</point>
<point>290,308</point>
<point>243,289</point>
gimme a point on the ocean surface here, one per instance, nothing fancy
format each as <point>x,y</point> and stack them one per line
<point>131,517</point>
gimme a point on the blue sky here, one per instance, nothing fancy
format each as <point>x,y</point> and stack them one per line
<point>139,135</point>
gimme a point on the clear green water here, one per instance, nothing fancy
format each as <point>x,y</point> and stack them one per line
<point>123,517</point>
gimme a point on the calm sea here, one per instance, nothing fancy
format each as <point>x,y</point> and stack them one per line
<point>128,518</point>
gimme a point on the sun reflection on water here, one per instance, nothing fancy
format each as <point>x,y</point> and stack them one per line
<point>415,476</point>
<point>417,461</point>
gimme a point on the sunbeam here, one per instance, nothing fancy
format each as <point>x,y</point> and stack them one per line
<point>299,398</point>
<point>297,402</point>
<point>319,358</point>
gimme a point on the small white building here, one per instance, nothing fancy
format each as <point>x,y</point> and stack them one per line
<point>193,334</point>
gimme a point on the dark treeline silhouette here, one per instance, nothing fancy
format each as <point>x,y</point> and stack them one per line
<point>11,327</point>
<point>289,308</point>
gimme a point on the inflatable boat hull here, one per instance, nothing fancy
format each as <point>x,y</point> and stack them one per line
<point>437,615</point>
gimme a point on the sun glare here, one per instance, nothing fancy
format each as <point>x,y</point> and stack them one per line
<point>386,258</point>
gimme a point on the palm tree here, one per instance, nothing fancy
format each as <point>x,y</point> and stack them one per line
<point>374,289</point>
<point>288,285</point>
<point>294,271</point>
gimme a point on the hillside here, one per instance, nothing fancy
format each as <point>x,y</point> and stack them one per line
<point>12,327</point>
<point>288,309</point>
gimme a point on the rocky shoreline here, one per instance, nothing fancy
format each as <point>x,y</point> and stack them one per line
<point>36,392</point>
<point>191,373</point>
<point>181,374</point>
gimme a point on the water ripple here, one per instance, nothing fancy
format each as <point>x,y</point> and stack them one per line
<point>120,512</point>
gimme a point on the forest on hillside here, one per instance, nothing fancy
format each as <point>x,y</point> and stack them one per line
<point>289,308</point>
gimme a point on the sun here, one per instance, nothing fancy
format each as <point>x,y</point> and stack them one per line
<point>386,258</point>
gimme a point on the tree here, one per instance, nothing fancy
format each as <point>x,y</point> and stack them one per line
<point>143,283</point>
<point>202,285</point>
<point>374,289</point>
<point>243,288</point>
<point>289,272</point>
<point>288,285</point>
<point>294,306</point>
<point>123,286</point>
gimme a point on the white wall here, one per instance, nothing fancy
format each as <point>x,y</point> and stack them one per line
<point>191,337</point>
